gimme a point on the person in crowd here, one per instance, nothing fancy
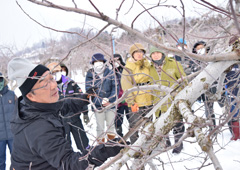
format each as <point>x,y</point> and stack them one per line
<point>184,61</point>
<point>200,48</point>
<point>68,88</point>
<point>64,69</point>
<point>7,105</point>
<point>39,138</point>
<point>103,78</point>
<point>136,73</point>
<point>167,71</point>
<point>118,65</point>
<point>231,92</point>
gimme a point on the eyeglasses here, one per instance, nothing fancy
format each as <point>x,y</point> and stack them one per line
<point>1,79</point>
<point>46,84</point>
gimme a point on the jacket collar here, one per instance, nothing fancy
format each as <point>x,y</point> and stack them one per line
<point>43,107</point>
<point>4,90</point>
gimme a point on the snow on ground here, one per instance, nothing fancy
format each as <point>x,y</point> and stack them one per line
<point>191,157</point>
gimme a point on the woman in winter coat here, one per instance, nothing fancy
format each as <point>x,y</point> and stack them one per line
<point>123,106</point>
<point>7,105</point>
<point>201,49</point>
<point>103,78</point>
<point>136,73</point>
<point>167,71</point>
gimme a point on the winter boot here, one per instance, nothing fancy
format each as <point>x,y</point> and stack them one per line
<point>119,131</point>
<point>168,142</point>
<point>178,149</point>
<point>235,128</point>
<point>178,131</point>
<point>110,136</point>
<point>230,127</point>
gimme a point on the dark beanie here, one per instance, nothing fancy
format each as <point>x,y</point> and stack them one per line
<point>98,57</point>
<point>25,73</point>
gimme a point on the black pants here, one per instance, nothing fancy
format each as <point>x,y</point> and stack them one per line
<point>135,117</point>
<point>120,115</point>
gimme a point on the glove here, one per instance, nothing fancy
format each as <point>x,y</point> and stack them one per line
<point>86,119</point>
<point>92,90</point>
<point>105,100</point>
<point>100,153</point>
<point>135,107</point>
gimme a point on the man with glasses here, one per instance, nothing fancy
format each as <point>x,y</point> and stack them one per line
<point>7,104</point>
<point>39,141</point>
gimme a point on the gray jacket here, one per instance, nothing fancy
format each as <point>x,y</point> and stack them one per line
<point>7,104</point>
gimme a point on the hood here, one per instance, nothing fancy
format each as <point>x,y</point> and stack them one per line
<point>28,111</point>
<point>5,80</point>
<point>4,90</point>
<point>155,49</point>
<point>120,68</point>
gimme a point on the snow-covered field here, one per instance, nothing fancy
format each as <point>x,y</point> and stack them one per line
<point>191,157</point>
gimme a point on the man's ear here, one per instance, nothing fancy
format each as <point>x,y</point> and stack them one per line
<point>31,96</point>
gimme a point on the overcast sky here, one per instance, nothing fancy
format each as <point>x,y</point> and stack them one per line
<point>20,31</point>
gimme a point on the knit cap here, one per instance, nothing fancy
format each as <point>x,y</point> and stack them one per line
<point>25,73</point>
<point>154,49</point>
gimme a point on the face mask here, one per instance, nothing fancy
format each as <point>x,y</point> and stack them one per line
<point>180,48</point>
<point>1,85</point>
<point>57,76</point>
<point>64,73</point>
<point>98,67</point>
<point>201,51</point>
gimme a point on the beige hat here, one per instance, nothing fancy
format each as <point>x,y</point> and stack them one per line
<point>135,47</point>
<point>54,67</point>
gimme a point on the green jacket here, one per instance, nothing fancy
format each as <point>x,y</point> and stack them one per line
<point>138,72</point>
<point>171,72</point>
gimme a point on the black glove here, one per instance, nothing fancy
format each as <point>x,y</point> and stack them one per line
<point>102,152</point>
<point>92,90</point>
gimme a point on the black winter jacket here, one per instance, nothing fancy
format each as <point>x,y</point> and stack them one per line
<point>39,141</point>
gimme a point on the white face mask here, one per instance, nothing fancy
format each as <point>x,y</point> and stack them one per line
<point>180,48</point>
<point>64,73</point>
<point>98,67</point>
<point>201,51</point>
<point>57,76</point>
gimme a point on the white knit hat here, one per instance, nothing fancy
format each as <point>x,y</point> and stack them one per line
<point>23,71</point>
